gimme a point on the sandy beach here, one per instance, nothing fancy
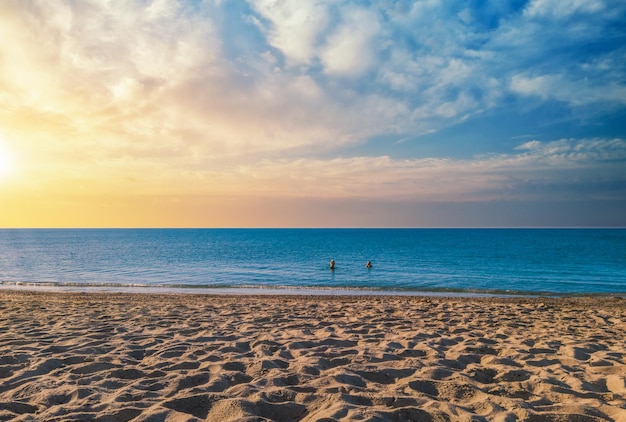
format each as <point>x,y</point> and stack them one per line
<point>123,357</point>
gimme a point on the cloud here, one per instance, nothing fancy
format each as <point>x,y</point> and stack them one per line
<point>530,145</point>
<point>352,48</point>
<point>576,93</point>
<point>294,27</point>
<point>267,96</point>
<point>431,68</point>
<point>563,8</point>
<point>562,169</point>
<point>539,85</point>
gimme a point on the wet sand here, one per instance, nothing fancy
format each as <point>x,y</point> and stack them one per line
<point>139,357</point>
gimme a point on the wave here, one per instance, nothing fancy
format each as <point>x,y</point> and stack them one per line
<point>251,289</point>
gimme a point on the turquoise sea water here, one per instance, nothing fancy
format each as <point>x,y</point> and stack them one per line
<point>512,261</point>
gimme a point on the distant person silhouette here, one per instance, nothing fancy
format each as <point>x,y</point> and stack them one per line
<point>332,264</point>
<point>369,264</point>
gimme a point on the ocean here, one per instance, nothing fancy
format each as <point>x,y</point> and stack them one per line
<point>406,261</point>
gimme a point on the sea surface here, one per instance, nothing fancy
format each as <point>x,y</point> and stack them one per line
<point>413,261</point>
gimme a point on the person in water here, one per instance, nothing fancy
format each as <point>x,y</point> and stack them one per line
<point>332,264</point>
<point>369,264</point>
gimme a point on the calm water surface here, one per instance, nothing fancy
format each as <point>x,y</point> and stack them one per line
<point>526,261</point>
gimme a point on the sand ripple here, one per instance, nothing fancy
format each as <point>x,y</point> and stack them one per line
<point>117,357</point>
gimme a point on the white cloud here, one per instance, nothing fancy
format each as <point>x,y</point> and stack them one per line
<point>295,26</point>
<point>351,49</point>
<point>127,89</point>
<point>305,86</point>
<point>574,164</point>
<point>530,145</point>
<point>300,30</point>
<point>563,8</point>
<point>539,85</point>
<point>575,92</point>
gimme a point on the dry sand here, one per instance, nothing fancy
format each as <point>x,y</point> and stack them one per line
<point>121,357</point>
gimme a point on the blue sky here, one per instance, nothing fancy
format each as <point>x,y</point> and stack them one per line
<point>405,108</point>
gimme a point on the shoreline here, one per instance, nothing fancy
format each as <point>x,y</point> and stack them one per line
<point>161,357</point>
<point>289,291</point>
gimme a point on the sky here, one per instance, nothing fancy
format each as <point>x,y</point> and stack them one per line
<point>299,113</point>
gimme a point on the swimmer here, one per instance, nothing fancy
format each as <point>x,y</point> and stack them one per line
<point>332,264</point>
<point>369,264</point>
